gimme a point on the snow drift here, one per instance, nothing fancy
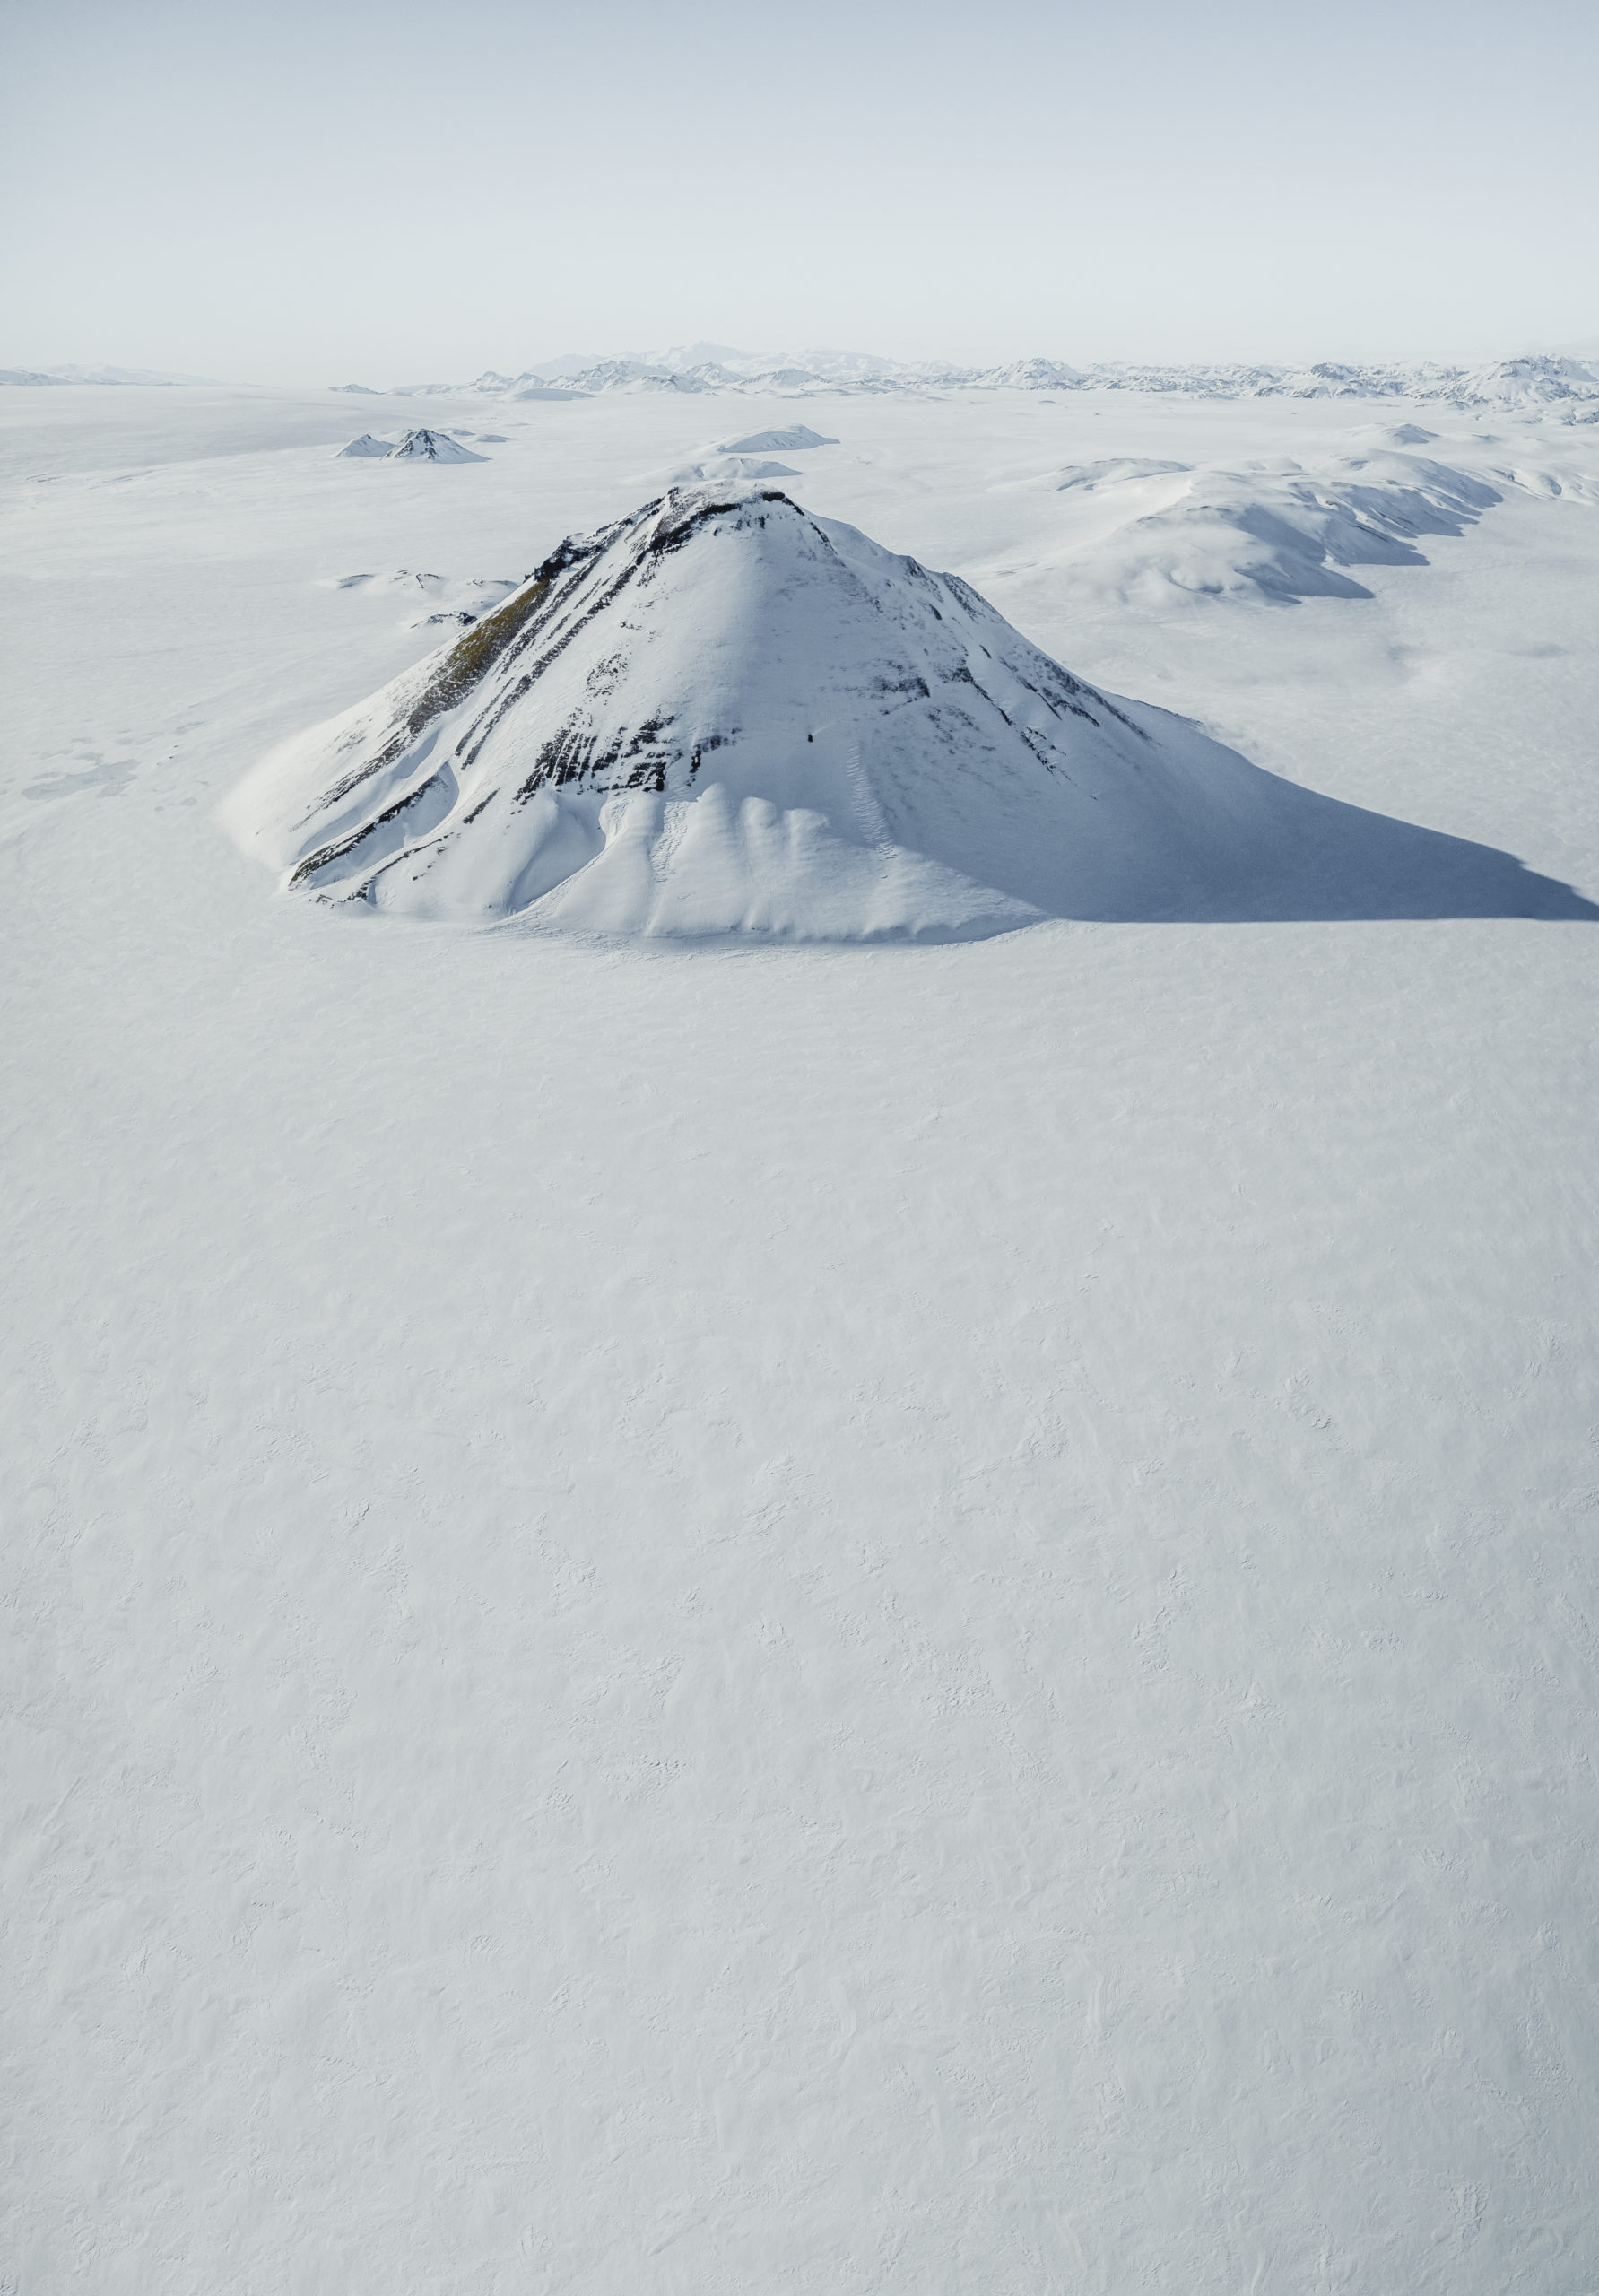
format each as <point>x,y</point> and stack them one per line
<point>723,715</point>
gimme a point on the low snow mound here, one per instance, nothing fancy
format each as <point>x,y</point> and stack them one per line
<point>1114,472</point>
<point>432,446</point>
<point>796,440</point>
<point>366,449</point>
<point>721,715</point>
<point>724,471</point>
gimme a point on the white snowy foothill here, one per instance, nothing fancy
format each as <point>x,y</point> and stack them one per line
<point>366,449</point>
<point>1274,529</point>
<point>722,715</point>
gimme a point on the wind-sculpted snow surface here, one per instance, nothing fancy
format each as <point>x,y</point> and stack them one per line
<point>724,714</point>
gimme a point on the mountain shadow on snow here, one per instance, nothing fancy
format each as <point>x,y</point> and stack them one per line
<point>722,715</point>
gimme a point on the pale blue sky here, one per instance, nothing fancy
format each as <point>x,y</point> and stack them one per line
<point>389,193</point>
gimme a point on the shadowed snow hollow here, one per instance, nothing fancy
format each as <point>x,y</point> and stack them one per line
<point>723,715</point>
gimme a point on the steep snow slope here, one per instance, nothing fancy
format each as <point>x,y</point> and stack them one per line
<point>366,449</point>
<point>724,714</point>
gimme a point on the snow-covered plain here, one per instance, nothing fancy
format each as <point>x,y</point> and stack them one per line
<point>727,1617</point>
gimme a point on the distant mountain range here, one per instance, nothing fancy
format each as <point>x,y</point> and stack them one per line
<point>1554,382</point>
<point>96,375</point>
<point>1533,383</point>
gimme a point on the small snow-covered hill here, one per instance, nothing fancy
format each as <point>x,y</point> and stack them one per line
<point>795,439</point>
<point>1275,529</point>
<point>432,446</point>
<point>725,471</point>
<point>413,447</point>
<point>721,714</point>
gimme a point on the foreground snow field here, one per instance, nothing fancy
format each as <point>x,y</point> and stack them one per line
<point>721,1617</point>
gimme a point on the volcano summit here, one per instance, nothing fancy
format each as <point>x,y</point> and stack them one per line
<point>721,714</point>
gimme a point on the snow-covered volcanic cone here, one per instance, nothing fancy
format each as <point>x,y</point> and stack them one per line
<point>724,714</point>
<point>432,446</point>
